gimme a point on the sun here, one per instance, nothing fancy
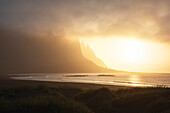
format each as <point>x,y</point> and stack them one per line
<point>125,51</point>
<point>133,51</point>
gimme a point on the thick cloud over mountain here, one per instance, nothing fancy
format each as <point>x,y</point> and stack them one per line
<point>20,53</point>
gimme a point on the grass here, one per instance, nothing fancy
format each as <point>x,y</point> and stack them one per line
<point>135,100</point>
<point>94,99</point>
<point>47,99</point>
<point>41,99</point>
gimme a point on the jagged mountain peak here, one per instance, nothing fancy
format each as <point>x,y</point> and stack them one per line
<point>88,52</point>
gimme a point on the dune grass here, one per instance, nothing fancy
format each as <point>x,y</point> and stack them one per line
<point>41,99</point>
<point>47,99</point>
<point>135,100</point>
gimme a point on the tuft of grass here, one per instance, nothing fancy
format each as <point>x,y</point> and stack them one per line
<point>96,98</point>
<point>161,105</point>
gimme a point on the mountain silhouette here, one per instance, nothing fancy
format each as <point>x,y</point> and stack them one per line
<point>23,53</point>
<point>89,54</point>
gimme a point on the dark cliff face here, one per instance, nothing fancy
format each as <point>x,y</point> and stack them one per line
<point>21,53</point>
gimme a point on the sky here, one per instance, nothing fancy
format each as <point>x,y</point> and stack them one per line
<point>99,20</point>
<point>90,18</point>
<point>131,54</point>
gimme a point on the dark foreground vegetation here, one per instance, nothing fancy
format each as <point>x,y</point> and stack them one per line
<point>47,99</point>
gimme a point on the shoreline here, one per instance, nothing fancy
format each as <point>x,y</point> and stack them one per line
<point>6,81</point>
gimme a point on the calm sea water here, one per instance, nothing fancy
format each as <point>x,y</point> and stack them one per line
<point>100,78</point>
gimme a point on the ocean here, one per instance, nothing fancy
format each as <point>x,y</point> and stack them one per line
<point>121,79</point>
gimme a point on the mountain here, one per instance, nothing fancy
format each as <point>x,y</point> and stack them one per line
<point>23,53</point>
<point>89,54</point>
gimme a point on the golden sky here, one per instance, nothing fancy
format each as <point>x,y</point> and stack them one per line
<point>131,54</point>
<point>132,35</point>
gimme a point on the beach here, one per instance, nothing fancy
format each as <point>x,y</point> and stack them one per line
<point>6,81</point>
<point>28,96</point>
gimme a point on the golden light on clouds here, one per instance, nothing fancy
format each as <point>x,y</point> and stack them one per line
<point>131,54</point>
<point>148,19</point>
<point>138,29</point>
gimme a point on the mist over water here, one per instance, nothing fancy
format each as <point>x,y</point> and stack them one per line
<point>100,78</point>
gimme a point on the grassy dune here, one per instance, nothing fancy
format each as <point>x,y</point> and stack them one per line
<point>39,99</point>
<point>48,99</point>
